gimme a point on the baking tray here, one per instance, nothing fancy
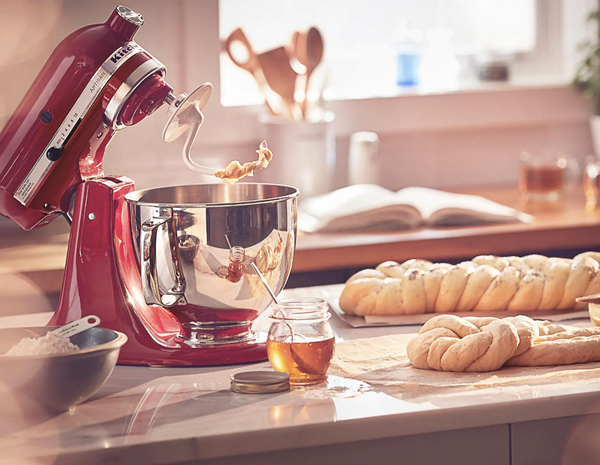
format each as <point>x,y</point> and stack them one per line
<point>371,321</point>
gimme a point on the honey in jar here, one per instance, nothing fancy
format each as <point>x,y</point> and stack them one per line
<point>306,362</point>
<point>300,341</point>
<point>236,267</point>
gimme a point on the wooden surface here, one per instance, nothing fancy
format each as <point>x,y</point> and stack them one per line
<point>38,256</point>
<point>565,225</point>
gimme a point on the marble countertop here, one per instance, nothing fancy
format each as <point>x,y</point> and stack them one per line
<point>173,415</point>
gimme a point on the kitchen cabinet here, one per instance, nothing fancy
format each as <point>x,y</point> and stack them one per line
<point>472,446</point>
<point>553,441</point>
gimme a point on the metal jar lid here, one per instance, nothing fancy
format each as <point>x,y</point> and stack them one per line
<point>260,382</point>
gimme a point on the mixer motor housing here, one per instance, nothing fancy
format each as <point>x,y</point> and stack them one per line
<point>97,81</point>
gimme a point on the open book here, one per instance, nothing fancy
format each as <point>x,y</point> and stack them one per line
<point>369,207</point>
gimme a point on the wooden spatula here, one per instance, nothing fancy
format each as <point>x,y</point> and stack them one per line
<point>281,77</point>
<point>252,65</point>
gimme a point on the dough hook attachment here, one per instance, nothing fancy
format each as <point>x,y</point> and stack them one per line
<point>186,116</point>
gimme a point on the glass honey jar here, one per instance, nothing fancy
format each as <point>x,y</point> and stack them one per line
<point>300,340</point>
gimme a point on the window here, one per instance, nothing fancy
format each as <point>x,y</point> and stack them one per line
<point>361,41</point>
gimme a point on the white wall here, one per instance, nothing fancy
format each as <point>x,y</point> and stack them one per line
<point>468,138</point>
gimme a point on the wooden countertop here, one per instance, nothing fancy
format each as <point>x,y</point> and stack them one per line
<point>567,225</point>
<point>564,225</point>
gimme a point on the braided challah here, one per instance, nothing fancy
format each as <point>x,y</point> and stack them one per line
<point>451,343</point>
<point>486,283</point>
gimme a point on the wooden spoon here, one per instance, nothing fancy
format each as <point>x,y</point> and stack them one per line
<point>303,365</point>
<point>298,62</point>
<point>310,54</point>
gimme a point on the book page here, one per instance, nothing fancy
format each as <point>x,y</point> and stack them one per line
<point>446,208</point>
<point>361,206</point>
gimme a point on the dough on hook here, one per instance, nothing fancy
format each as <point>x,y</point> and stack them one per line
<point>236,171</point>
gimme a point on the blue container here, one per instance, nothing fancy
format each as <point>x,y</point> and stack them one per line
<point>407,69</point>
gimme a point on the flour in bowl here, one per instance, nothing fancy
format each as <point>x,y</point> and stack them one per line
<point>51,343</point>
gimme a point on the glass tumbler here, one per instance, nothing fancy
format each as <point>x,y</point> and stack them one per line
<point>544,176</point>
<point>300,340</point>
<point>591,184</point>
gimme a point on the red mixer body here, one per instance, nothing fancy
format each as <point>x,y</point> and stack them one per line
<point>102,279</point>
<point>96,82</point>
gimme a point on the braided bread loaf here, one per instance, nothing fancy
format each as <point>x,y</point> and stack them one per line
<point>451,343</point>
<point>486,283</point>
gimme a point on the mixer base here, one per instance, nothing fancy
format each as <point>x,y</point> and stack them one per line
<point>244,352</point>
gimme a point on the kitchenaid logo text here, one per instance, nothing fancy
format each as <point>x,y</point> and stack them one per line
<point>124,51</point>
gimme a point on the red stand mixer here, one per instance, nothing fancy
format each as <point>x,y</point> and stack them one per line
<point>151,264</point>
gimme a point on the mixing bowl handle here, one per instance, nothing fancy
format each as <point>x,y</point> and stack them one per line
<point>175,295</point>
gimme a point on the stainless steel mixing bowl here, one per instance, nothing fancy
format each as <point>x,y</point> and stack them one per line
<point>184,237</point>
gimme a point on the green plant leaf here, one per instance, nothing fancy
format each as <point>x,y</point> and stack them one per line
<point>593,15</point>
<point>587,74</point>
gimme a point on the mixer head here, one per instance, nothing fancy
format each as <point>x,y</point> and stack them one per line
<point>56,138</point>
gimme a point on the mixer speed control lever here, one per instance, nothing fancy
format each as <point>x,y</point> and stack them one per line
<point>54,154</point>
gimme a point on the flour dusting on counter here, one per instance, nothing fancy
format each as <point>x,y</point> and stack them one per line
<point>382,361</point>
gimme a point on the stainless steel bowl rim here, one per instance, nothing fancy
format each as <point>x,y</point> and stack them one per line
<point>116,343</point>
<point>141,192</point>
